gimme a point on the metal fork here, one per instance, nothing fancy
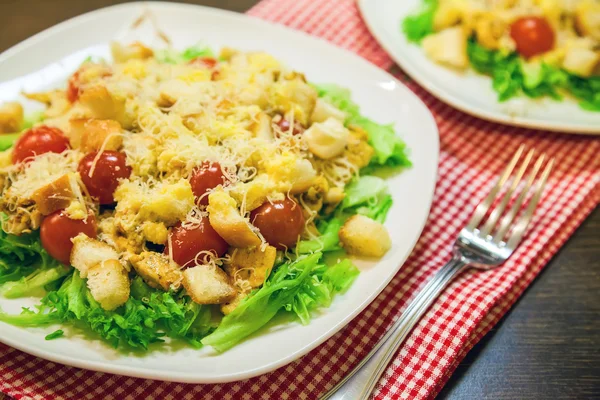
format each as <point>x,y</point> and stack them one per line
<point>481,246</point>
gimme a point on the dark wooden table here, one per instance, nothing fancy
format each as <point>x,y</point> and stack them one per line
<point>547,347</point>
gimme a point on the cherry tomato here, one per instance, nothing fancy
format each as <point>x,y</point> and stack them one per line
<point>73,87</point>
<point>280,222</point>
<point>110,168</point>
<point>285,124</point>
<point>39,140</point>
<point>58,229</point>
<point>533,36</point>
<point>204,178</point>
<point>187,243</point>
<point>208,62</point>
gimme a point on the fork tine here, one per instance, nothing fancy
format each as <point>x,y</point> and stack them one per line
<point>508,218</point>
<point>497,212</point>
<point>484,206</point>
<point>521,227</point>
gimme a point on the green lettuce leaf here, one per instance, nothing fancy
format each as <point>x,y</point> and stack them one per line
<point>140,322</point>
<point>328,241</point>
<point>298,287</point>
<point>172,56</point>
<point>389,148</point>
<point>367,195</point>
<point>419,25</point>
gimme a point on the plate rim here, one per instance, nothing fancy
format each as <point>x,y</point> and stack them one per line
<point>141,372</point>
<point>451,100</point>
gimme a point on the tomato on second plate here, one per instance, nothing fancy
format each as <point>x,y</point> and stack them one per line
<point>110,168</point>
<point>39,140</point>
<point>58,229</point>
<point>280,222</point>
<point>533,36</point>
<point>205,178</point>
<point>186,243</point>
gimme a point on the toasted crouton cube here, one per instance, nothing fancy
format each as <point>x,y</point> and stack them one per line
<point>109,284</point>
<point>208,285</point>
<point>225,218</point>
<point>88,252</point>
<point>58,194</point>
<point>104,105</point>
<point>251,264</point>
<point>362,236</point>
<point>157,270</point>
<point>135,50</point>
<point>448,47</point>
<point>90,135</point>
<point>11,117</point>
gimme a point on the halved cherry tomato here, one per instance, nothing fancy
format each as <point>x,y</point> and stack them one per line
<point>109,170</point>
<point>533,36</point>
<point>280,222</point>
<point>284,124</point>
<point>205,178</point>
<point>58,229</point>
<point>73,87</point>
<point>186,243</point>
<point>208,62</point>
<point>39,140</point>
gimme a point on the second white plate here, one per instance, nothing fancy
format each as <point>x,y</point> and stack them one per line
<point>469,91</point>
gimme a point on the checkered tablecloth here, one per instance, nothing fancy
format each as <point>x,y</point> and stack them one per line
<point>473,152</point>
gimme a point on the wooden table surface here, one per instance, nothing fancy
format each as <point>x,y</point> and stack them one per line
<point>547,347</point>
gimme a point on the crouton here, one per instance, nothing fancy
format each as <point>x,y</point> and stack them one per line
<point>88,252</point>
<point>225,218</point>
<point>135,50</point>
<point>587,18</point>
<point>104,105</point>
<point>58,194</point>
<point>90,135</point>
<point>288,172</point>
<point>11,117</point>
<point>581,61</point>
<point>251,264</point>
<point>327,139</point>
<point>157,270</point>
<point>227,308</point>
<point>362,236</point>
<point>208,285</point>
<point>109,284</point>
<point>448,47</point>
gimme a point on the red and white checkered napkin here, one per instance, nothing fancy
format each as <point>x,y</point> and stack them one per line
<point>473,152</point>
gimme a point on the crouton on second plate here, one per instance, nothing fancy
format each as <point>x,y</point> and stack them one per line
<point>208,284</point>
<point>365,237</point>
<point>88,252</point>
<point>109,284</point>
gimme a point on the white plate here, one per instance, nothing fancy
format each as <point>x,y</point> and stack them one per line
<point>46,59</point>
<point>469,92</point>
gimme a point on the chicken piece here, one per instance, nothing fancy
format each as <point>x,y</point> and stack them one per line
<point>88,252</point>
<point>11,117</point>
<point>157,270</point>
<point>581,61</point>
<point>252,265</point>
<point>358,151</point>
<point>226,219</point>
<point>208,285</point>
<point>365,237</point>
<point>587,18</point>
<point>294,97</point>
<point>102,104</point>
<point>324,110</point>
<point>90,135</point>
<point>448,47</point>
<point>135,50</point>
<point>109,284</point>
<point>23,217</point>
<point>327,139</point>
<point>58,194</point>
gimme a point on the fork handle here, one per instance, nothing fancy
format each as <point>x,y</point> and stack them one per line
<point>360,382</point>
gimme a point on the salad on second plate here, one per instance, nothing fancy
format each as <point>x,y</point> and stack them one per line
<point>187,196</point>
<point>539,48</point>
